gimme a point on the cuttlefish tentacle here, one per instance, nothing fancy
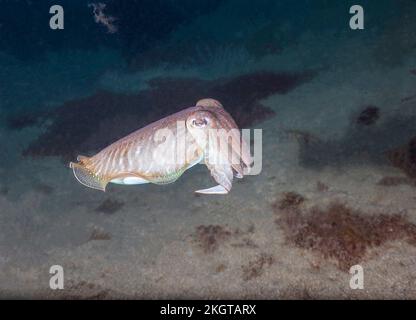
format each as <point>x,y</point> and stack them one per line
<point>223,175</point>
<point>141,158</point>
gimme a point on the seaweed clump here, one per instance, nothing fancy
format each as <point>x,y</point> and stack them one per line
<point>84,290</point>
<point>290,200</point>
<point>109,206</point>
<point>210,237</point>
<point>341,233</point>
<point>257,267</point>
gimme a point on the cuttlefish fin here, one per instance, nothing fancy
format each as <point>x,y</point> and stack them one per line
<point>86,176</point>
<point>223,175</point>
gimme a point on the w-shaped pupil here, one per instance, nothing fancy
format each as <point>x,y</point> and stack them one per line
<point>200,122</point>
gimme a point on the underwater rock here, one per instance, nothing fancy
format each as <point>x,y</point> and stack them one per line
<point>368,116</point>
<point>89,124</point>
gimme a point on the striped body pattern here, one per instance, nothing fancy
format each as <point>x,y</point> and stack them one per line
<point>160,152</point>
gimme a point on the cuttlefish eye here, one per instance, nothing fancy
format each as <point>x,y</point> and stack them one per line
<point>199,123</point>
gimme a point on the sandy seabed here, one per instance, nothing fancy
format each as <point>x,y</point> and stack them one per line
<point>165,242</point>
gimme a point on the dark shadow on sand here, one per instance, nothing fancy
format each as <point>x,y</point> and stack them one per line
<point>86,125</point>
<point>383,142</point>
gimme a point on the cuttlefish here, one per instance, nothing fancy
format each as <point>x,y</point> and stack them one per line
<point>163,150</point>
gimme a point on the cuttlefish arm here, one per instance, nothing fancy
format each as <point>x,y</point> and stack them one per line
<point>223,175</point>
<point>223,157</point>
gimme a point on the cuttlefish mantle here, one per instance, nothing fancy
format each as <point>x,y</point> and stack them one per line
<point>162,151</point>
